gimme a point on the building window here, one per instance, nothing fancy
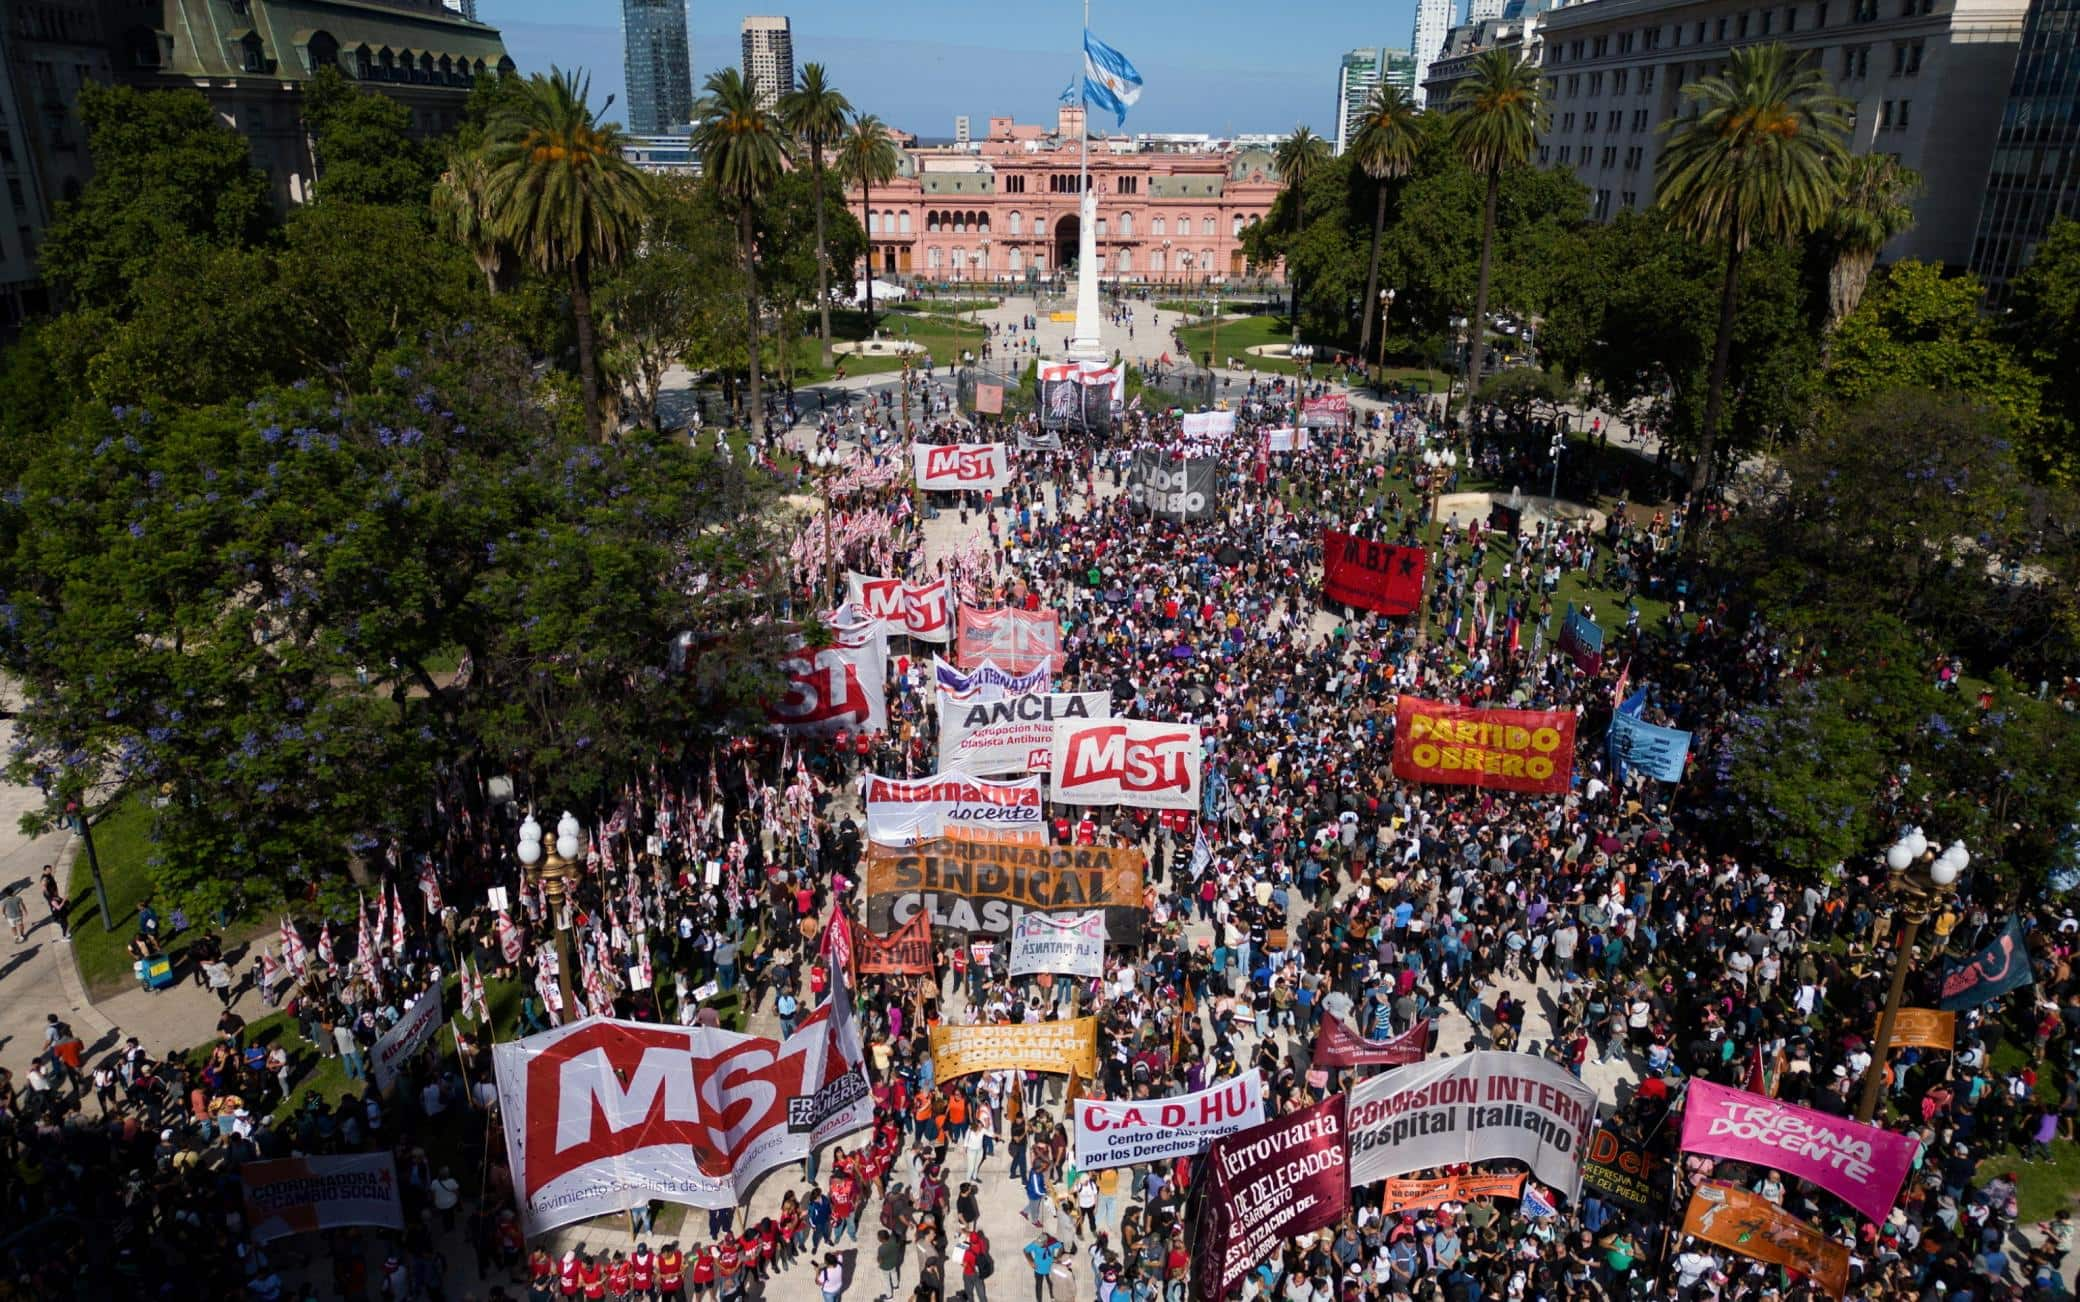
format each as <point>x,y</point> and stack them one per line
<point>1126,261</point>
<point>1236,232</point>
<point>1820,15</point>
<point>1866,11</point>
<point>1018,260</point>
<point>1101,228</point>
<point>873,223</point>
<point>1595,84</point>
<point>1018,223</point>
<point>1545,155</point>
<point>1126,226</point>
<point>1899,116</point>
<point>1155,260</point>
<point>1610,156</point>
<point>1589,123</point>
<point>1646,81</point>
<point>903,222</point>
<point>1015,184</point>
<point>1566,154</point>
<point>1129,185</point>
<point>1620,81</point>
<point>1790,19</point>
<point>1906,58</point>
<point>1157,228</point>
<point>1206,227</point>
<point>931,222</point>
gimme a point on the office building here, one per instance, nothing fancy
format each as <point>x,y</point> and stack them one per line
<point>1466,43</point>
<point>769,56</point>
<point>1433,20</point>
<point>466,8</point>
<point>1927,79</point>
<point>2034,177</point>
<point>657,65</point>
<point>1482,10</point>
<point>960,130</point>
<point>1359,74</point>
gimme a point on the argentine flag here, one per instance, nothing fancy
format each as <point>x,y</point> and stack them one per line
<point>1109,81</point>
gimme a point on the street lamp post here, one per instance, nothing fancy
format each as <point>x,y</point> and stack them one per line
<point>554,873</point>
<point>826,462</point>
<point>1920,879</point>
<point>1438,466</point>
<point>1386,305</point>
<point>1460,357</point>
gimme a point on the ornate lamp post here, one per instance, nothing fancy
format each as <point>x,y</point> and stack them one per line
<point>1438,466</point>
<point>554,873</point>
<point>1920,879</point>
<point>1386,305</point>
<point>826,461</point>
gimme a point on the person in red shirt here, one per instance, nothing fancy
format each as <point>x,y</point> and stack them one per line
<point>729,1259</point>
<point>593,1277</point>
<point>844,1201</point>
<point>703,1270</point>
<point>620,1277</point>
<point>642,1272</point>
<point>567,1272</point>
<point>671,1272</point>
<point>541,1275</point>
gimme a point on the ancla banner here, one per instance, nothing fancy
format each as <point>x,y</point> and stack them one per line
<point>1760,1230</point>
<point>1011,735</point>
<point>1033,1046</point>
<point>900,811</point>
<point>413,1032</point>
<point>962,466</point>
<point>1516,750</point>
<point>1139,762</point>
<point>1067,944</point>
<point>1371,575</point>
<point>906,952</point>
<point>1483,1106</point>
<point>1862,1165</point>
<point>1989,974</point>
<point>296,1195</point>
<point>1266,1185</point>
<point>1018,640</point>
<point>1122,1132</point>
<point>917,609</point>
<point>1336,1045</point>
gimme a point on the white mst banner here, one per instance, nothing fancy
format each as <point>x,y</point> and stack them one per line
<point>900,812</point>
<point>1121,1132</point>
<point>1138,762</point>
<point>1068,944</point>
<point>956,466</point>
<point>917,609</point>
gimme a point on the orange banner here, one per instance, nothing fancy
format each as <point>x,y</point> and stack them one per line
<point>1516,750</point>
<point>908,950</point>
<point>1408,1195</point>
<point>1758,1229</point>
<point>1923,1028</point>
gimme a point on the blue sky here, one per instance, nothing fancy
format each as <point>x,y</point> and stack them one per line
<point>1221,66</point>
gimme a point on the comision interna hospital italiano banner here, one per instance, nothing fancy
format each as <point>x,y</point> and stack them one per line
<point>1478,1107</point>
<point>1516,750</point>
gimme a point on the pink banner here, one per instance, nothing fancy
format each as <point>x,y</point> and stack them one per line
<point>1018,641</point>
<point>1862,1165</point>
<point>1336,1045</point>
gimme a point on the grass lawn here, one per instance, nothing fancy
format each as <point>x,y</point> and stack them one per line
<point>935,306</point>
<point>942,336</point>
<point>1237,335</point>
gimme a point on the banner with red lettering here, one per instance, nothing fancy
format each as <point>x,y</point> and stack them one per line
<point>920,610</point>
<point>907,951</point>
<point>1484,1106</point>
<point>1371,575</point>
<point>843,685</point>
<point>1516,750</point>
<point>1019,641</point>
<point>1141,762</point>
<point>1121,1132</point>
<point>959,467</point>
<point>1336,1045</point>
<point>900,811</point>
<point>1329,410</point>
<point>297,1195</point>
<point>1265,1185</point>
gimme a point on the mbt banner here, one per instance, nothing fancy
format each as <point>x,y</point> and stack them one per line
<point>1517,750</point>
<point>1483,1106</point>
<point>1760,1230</point>
<point>986,885</point>
<point>1987,975</point>
<point>988,682</point>
<point>919,610</point>
<point>1371,575</point>
<point>840,686</point>
<point>1032,1046</point>
<point>901,811</point>
<point>413,1032</point>
<point>296,1195</point>
<point>1011,735</point>
<point>907,951</point>
<point>1619,1170</point>
<point>1172,488</point>
<point>1922,1028</point>
<point>961,467</point>
<point>1862,1165</point>
<point>1018,640</point>
<point>1268,1184</point>
<point>1122,1132</point>
<point>1066,944</point>
<point>1410,1195</point>
<point>1337,1045</point>
<point>603,1115</point>
<point>1139,762</point>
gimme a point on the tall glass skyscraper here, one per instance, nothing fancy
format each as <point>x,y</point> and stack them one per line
<point>658,66</point>
<point>2035,175</point>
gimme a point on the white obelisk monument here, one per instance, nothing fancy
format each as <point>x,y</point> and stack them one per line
<point>1085,345</point>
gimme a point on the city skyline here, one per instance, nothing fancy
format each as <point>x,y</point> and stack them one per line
<point>980,65</point>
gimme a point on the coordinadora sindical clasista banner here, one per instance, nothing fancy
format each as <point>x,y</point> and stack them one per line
<point>1515,750</point>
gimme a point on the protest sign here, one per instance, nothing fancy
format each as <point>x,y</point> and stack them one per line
<point>1760,1230</point>
<point>1658,752</point>
<point>900,811</point>
<point>1018,640</point>
<point>908,950</point>
<point>1531,751</point>
<point>1992,972</point>
<point>1122,1132</point>
<point>1336,1045</point>
<point>1923,1028</point>
<point>413,1032</point>
<point>1033,1046</point>
<point>840,686</point>
<point>1482,1106</point>
<point>1862,1165</point>
<point>988,682</point>
<point>1409,1195</point>
<point>1266,1185</point>
<point>1141,762</point>
<point>1619,1170</point>
<point>962,466</point>
<point>918,610</point>
<point>1067,944</point>
<point>989,399</point>
<point>1208,424</point>
<point>1011,735</point>
<point>1371,575</point>
<point>971,885</point>
<point>1284,439</point>
<point>295,1195</point>
<point>1582,639</point>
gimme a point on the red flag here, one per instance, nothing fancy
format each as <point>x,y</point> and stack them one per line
<point>837,943</point>
<point>1756,1084</point>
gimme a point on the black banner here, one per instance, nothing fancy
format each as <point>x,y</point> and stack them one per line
<point>1172,488</point>
<point>1069,403</point>
<point>1619,1171</point>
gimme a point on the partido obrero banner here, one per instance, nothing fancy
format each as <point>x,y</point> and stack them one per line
<point>1139,762</point>
<point>1862,1165</point>
<point>1065,944</point>
<point>986,885</point>
<point>1531,751</point>
<point>953,467</point>
<point>919,610</point>
<point>1031,1046</point>
<point>296,1195</point>
<point>1483,1106</point>
<point>901,811</point>
<point>1267,1184</point>
<point>1121,1132</point>
<point>1011,735</point>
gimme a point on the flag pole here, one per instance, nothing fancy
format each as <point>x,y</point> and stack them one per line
<point>1083,97</point>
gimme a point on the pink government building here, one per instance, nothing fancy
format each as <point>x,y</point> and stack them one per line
<point>1171,208</point>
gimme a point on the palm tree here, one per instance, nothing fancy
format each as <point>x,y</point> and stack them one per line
<point>1870,207</point>
<point>1494,125</point>
<point>743,151</point>
<point>1385,148</point>
<point>1755,158</point>
<point>867,156</point>
<point>1299,156</point>
<point>462,212</point>
<point>814,113</point>
<point>561,195</point>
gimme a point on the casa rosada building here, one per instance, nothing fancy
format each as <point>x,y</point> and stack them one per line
<point>1004,207</point>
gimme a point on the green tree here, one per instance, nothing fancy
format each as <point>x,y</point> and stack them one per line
<point>1754,159</point>
<point>1495,120</point>
<point>1385,149</point>
<point>2043,324</point>
<point>167,171</point>
<point>363,145</point>
<point>814,113</point>
<point>1299,156</point>
<point>651,306</point>
<point>565,199</point>
<point>868,157</point>
<point>1921,329</point>
<point>1871,206</point>
<point>743,153</point>
<point>462,211</point>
